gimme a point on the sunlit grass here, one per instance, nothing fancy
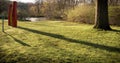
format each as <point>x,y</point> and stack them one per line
<point>58,42</point>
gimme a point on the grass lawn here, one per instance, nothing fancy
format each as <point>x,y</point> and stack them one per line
<point>58,42</point>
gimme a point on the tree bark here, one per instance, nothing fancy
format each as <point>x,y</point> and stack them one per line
<point>101,16</point>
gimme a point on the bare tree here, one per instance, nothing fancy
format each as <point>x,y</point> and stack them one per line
<point>101,17</point>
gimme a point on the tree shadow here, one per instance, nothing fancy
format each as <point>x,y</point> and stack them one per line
<point>102,47</point>
<point>114,30</point>
<point>18,41</point>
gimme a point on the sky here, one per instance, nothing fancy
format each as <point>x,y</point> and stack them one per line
<point>25,1</point>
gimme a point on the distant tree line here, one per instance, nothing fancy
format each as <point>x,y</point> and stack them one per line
<point>4,7</point>
<point>48,8</point>
<point>57,9</point>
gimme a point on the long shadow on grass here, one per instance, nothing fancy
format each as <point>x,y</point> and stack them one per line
<point>103,47</point>
<point>115,30</point>
<point>18,41</point>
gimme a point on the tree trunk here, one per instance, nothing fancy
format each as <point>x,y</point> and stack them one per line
<point>101,16</point>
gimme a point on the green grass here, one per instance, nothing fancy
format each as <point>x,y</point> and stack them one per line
<point>58,42</point>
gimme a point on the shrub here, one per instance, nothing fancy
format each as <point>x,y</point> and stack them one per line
<point>86,14</point>
<point>114,15</point>
<point>83,14</point>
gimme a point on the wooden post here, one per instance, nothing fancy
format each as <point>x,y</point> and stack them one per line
<point>14,14</point>
<point>10,15</point>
